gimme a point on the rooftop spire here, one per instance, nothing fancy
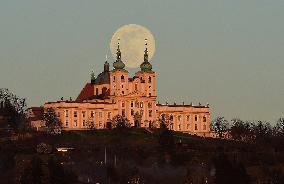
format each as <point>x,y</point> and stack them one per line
<point>146,66</point>
<point>146,51</point>
<point>118,53</point>
<point>118,64</point>
<point>106,65</point>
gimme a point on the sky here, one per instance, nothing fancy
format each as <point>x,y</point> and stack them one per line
<point>225,52</point>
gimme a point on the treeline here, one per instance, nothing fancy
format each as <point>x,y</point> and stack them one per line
<point>250,131</point>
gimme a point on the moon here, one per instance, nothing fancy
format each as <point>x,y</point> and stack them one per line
<point>132,44</point>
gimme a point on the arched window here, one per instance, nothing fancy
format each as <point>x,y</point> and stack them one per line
<point>122,78</point>
<point>204,118</point>
<point>149,80</point>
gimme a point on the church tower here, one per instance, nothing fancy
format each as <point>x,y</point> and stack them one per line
<point>118,76</point>
<point>146,75</point>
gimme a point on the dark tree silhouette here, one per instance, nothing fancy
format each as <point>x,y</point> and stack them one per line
<point>220,126</point>
<point>12,108</point>
<point>240,130</point>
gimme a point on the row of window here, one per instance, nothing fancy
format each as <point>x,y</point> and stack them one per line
<point>83,113</point>
<point>122,78</point>
<point>204,119</point>
<point>85,124</point>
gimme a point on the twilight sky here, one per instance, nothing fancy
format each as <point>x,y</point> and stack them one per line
<point>225,52</point>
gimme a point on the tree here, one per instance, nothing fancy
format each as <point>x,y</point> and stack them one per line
<point>164,121</point>
<point>165,137</point>
<point>279,127</point>
<point>52,122</point>
<point>262,131</point>
<point>12,107</point>
<point>120,122</point>
<point>240,130</point>
<point>220,126</point>
<point>91,125</point>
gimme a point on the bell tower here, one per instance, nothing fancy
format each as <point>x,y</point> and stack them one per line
<point>147,75</point>
<point>118,76</point>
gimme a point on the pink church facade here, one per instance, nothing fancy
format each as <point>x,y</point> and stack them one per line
<point>114,92</point>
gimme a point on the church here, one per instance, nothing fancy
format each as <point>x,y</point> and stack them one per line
<point>113,92</point>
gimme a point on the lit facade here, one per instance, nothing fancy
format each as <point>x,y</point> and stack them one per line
<point>114,92</point>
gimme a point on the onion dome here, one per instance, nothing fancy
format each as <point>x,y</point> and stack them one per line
<point>146,65</point>
<point>118,64</point>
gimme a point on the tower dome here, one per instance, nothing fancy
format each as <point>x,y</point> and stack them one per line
<point>146,66</point>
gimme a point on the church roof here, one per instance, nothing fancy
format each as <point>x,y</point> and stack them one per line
<point>103,78</point>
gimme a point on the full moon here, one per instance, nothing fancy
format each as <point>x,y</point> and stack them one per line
<point>132,44</point>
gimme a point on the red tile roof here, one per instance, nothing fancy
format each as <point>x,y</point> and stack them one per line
<point>87,92</point>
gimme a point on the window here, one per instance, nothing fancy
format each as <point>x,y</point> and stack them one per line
<point>122,78</point>
<point>100,124</point>
<point>171,117</point>
<point>179,118</point>
<point>113,78</point>
<point>75,114</point>
<point>92,114</point>
<point>66,113</point>
<point>122,92</point>
<point>123,112</point>
<point>136,87</point>
<point>195,127</point>
<point>150,94</point>
<point>150,113</point>
<point>123,104</point>
<point>132,112</point>
<point>187,126</point>
<point>195,118</point>
<point>97,91</point>
<point>83,114</point>
<point>141,112</point>
<point>108,115</point>
<point>149,105</point>
<point>100,114</point>
<point>149,80</point>
<point>179,126</point>
<point>204,118</point>
<point>187,117</point>
<point>66,123</point>
<point>137,104</point>
<point>141,104</point>
<point>121,86</point>
<point>204,127</point>
<point>75,123</point>
<point>131,103</point>
<point>84,122</point>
